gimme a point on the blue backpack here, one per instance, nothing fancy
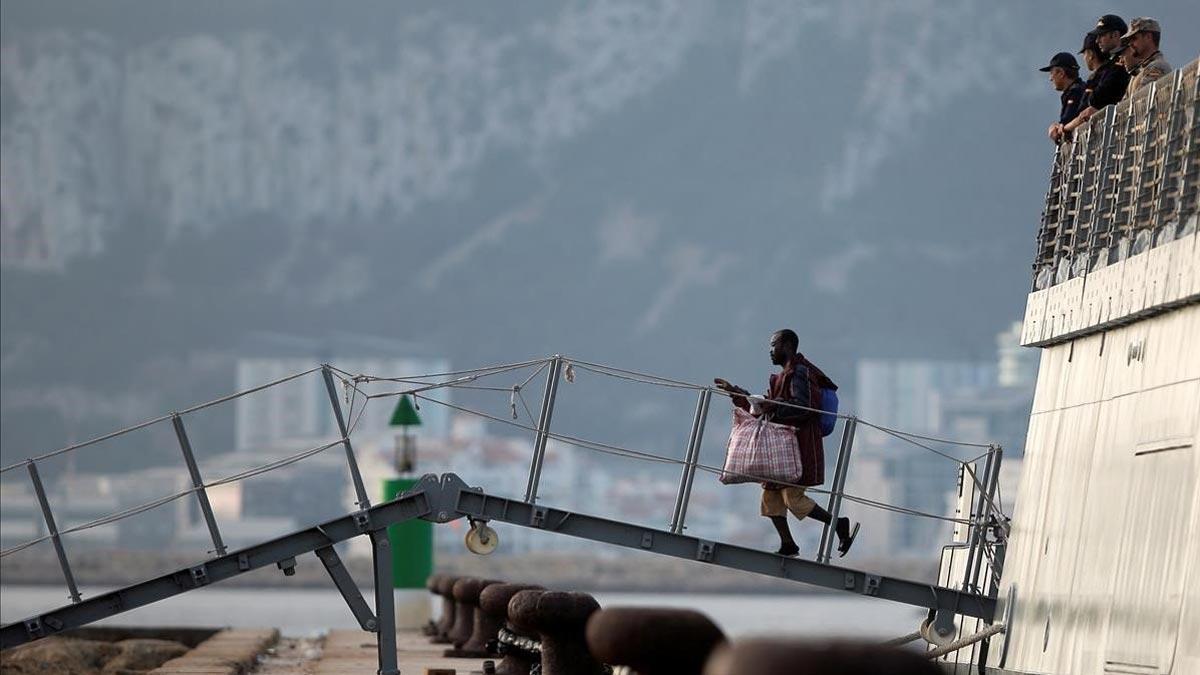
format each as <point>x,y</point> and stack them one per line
<point>829,404</point>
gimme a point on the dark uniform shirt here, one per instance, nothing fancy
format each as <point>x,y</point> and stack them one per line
<point>1074,100</point>
<point>1107,85</point>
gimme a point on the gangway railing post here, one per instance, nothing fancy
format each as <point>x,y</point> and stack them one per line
<point>201,494</point>
<point>53,530</point>
<point>978,521</point>
<point>543,429</point>
<point>834,505</point>
<point>359,489</point>
<point>690,458</point>
<point>990,491</point>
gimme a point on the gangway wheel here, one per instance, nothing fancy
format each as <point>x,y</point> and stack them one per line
<point>481,539</point>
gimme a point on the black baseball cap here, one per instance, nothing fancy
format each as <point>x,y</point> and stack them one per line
<point>1089,42</point>
<point>1061,60</point>
<point>1109,23</point>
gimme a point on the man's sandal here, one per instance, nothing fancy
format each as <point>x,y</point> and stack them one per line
<point>845,544</point>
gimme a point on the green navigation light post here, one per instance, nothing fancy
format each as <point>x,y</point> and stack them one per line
<point>412,541</point>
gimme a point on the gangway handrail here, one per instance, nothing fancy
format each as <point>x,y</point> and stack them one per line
<point>351,382</point>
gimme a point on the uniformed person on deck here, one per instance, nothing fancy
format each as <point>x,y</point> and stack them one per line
<point>1064,77</point>
<point>1107,84</point>
<point>1144,60</point>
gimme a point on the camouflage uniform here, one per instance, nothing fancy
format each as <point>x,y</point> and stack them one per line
<point>1149,70</point>
<point>1152,67</point>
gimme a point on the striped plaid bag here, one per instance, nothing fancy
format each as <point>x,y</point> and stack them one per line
<point>760,452</point>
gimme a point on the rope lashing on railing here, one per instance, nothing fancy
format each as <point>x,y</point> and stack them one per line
<point>966,641</point>
<point>903,639</point>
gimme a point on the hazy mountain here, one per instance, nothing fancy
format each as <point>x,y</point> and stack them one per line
<point>656,184</point>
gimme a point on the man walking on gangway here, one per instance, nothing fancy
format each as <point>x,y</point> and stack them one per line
<point>798,383</point>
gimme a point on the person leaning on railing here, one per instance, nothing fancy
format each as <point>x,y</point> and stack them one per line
<point>1109,80</point>
<point>1139,48</point>
<point>1064,77</point>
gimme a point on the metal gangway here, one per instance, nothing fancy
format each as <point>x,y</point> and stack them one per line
<point>446,498</point>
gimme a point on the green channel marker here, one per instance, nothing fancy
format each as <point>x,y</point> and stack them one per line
<point>412,542</point>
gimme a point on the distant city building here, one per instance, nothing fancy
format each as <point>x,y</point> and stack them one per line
<point>977,402</point>
<point>301,409</point>
<point>1018,366</point>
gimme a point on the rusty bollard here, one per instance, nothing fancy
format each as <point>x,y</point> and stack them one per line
<point>445,622</point>
<point>492,617</point>
<point>431,629</point>
<point>795,657</point>
<point>445,588</point>
<point>652,640</point>
<point>560,619</point>
<point>466,597</point>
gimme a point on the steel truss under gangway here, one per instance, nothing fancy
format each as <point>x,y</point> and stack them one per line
<point>446,499</point>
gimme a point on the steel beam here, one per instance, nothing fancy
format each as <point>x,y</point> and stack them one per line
<point>345,585</point>
<point>198,483</point>
<point>385,602</point>
<point>477,504</point>
<point>359,489</point>
<point>414,504</point>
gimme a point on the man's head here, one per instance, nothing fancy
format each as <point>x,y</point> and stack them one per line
<point>1142,38</point>
<point>1093,58</point>
<point>784,344</point>
<point>1108,31</point>
<point>1063,69</point>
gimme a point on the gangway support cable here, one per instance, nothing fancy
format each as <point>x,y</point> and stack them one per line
<point>447,498</point>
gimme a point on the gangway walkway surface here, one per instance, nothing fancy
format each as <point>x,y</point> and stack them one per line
<point>446,498</point>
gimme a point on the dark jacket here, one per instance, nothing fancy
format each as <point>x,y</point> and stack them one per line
<point>1074,100</point>
<point>799,383</point>
<point>1107,85</point>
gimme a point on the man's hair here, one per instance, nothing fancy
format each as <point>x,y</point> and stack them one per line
<point>1156,36</point>
<point>789,337</point>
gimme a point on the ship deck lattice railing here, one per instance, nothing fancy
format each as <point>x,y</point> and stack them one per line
<point>1128,181</point>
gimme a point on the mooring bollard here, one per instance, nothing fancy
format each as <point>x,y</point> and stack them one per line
<point>449,607</point>
<point>795,657</point>
<point>652,640</point>
<point>466,594</point>
<point>513,643</point>
<point>560,619</point>
<point>490,616</point>
<point>431,584</point>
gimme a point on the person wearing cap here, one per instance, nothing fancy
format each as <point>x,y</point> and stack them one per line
<point>1108,80</point>
<point>1144,60</point>
<point>1064,77</point>
<point>1108,31</point>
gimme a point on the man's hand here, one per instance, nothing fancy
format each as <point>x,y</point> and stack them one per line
<point>1056,132</point>
<point>724,385</point>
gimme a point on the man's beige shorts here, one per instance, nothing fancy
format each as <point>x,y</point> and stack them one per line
<point>779,502</point>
